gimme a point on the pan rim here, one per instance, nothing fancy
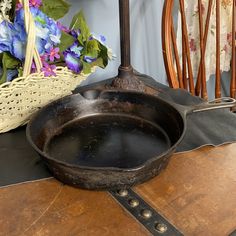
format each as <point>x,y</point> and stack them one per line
<point>114,169</point>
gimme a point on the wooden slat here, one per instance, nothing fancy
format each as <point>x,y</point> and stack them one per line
<point>167,44</point>
<point>198,84</point>
<point>185,80</point>
<point>176,53</point>
<point>184,67</point>
<point>202,59</point>
<point>186,40</point>
<point>218,74</point>
<point>233,69</point>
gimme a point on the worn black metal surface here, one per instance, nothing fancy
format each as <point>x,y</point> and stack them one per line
<point>126,79</point>
<point>144,213</point>
<point>109,139</point>
<point>20,163</point>
<point>116,140</point>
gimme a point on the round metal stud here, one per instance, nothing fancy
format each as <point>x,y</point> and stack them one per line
<point>123,192</point>
<point>161,228</point>
<point>146,214</point>
<point>133,202</point>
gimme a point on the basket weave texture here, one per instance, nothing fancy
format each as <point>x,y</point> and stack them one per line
<point>25,95</point>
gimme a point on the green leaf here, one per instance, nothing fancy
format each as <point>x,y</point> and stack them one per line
<point>99,62</point>
<point>80,39</point>
<point>86,68</point>
<point>55,9</point>
<point>91,49</point>
<point>20,72</point>
<point>3,78</point>
<point>66,41</point>
<point>93,45</point>
<point>8,62</point>
<point>79,22</point>
<point>103,55</point>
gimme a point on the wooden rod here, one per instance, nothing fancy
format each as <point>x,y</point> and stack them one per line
<point>186,40</point>
<point>176,53</point>
<point>218,74</point>
<point>198,84</point>
<point>202,59</point>
<point>167,44</point>
<point>233,62</point>
<point>184,67</point>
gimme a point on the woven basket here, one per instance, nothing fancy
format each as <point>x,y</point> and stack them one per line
<point>23,96</point>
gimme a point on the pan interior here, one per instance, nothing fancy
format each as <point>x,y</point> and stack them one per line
<point>108,140</point>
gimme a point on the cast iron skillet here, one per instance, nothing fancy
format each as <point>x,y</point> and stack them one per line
<point>110,139</point>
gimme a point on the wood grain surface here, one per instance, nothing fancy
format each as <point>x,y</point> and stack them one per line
<point>197,191</point>
<point>50,208</point>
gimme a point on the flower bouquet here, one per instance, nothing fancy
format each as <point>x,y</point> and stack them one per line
<point>40,59</point>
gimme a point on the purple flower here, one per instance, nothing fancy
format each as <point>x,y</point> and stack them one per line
<point>19,6</point>
<point>53,54</point>
<point>72,62</point>
<point>49,70</point>
<point>62,27</point>
<point>33,68</point>
<point>44,59</point>
<point>75,33</point>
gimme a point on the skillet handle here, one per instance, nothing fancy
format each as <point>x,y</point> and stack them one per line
<point>219,103</point>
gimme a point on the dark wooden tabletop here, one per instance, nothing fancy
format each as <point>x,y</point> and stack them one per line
<point>197,193</point>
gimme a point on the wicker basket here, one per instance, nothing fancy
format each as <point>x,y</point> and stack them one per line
<point>23,96</point>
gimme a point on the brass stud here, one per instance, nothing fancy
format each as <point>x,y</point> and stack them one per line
<point>123,192</point>
<point>146,214</point>
<point>161,228</point>
<point>133,202</point>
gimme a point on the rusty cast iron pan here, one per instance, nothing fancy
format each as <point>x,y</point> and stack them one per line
<point>109,139</point>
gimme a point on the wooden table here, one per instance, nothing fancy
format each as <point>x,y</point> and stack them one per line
<point>196,193</point>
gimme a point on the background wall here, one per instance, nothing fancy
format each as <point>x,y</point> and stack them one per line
<point>146,51</point>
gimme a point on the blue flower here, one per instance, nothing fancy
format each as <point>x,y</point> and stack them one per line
<point>99,38</point>
<point>11,74</point>
<point>72,62</point>
<point>46,28</point>
<point>89,59</point>
<point>76,49</point>
<point>6,30</point>
<point>47,33</point>
<point>18,47</point>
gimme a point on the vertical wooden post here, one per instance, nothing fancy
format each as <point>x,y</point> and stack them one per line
<point>233,62</point>
<point>218,73</point>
